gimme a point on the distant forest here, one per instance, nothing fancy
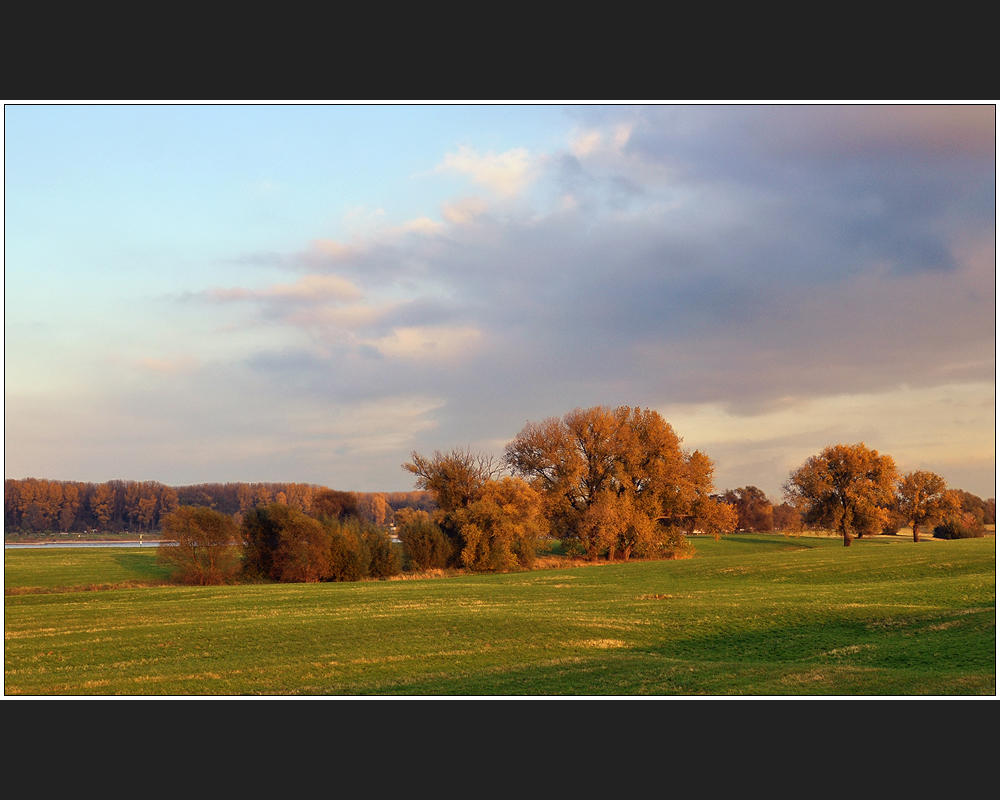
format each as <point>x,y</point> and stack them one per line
<point>32,505</point>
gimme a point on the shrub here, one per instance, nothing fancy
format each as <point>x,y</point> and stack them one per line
<point>349,556</point>
<point>203,546</point>
<point>424,543</point>
<point>500,530</point>
<point>386,560</point>
<point>283,544</point>
<point>303,552</point>
<point>674,544</point>
<point>964,526</point>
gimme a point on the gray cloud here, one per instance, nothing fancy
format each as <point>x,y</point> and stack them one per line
<point>739,256</point>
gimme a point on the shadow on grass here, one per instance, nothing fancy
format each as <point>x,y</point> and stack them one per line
<point>926,654</point>
<point>143,565</point>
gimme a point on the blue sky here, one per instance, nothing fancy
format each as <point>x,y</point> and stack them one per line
<point>310,293</point>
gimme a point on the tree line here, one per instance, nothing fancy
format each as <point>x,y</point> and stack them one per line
<point>33,505</point>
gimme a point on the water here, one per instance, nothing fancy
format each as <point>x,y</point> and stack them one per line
<point>8,546</point>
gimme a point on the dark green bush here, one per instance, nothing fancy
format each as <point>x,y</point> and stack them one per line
<point>965,526</point>
<point>283,544</point>
<point>350,557</point>
<point>386,559</point>
<point>425,545</point>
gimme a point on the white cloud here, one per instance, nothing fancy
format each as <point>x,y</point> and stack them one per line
<point>507,173</point>
<point>314,288</point>
<point>428,343</point>
<point>423,225</point>
<point>592,142</point>
<point>585,143</point>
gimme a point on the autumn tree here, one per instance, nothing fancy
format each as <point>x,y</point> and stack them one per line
<point>848,488</point>
<point>454,479</point>
<point>713,516</point>
<point>754,511</point>
<point>787,518</point>
<point>922,497</point>
<point>102,503</point>
<point>283,544</point>
<point>489,524</point>
<point>607,477</point>
<point>204,546</point>
<point>501,528</point>
<point>332,504</point>
<point>373,508</point>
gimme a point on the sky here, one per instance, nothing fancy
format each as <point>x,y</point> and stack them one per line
<point>310,293</point>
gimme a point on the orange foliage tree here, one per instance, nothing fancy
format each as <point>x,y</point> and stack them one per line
<point>609,476</point>
<point>847,487</point>
<point>923,497</point>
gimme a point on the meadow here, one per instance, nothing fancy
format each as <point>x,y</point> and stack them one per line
<point>760,615</point>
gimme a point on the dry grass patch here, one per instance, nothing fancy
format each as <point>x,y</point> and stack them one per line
<point>601,644</point>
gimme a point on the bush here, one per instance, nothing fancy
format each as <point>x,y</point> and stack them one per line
<point>500,530</point>
<point>386,559</point>
<point>964,526</point>
<point>203,546</point>
<point>283,544</point>
<point>303,553</point>
<point>349,554</point>
<point>424,543</point>
<point>674,544</point>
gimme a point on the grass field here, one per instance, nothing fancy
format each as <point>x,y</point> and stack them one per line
<point>750,615</point>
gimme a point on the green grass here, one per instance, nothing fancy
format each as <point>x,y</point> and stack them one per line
<point>751,615</point>
<point>81,568</point>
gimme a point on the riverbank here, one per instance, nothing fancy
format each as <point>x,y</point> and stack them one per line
<point>37,539</point>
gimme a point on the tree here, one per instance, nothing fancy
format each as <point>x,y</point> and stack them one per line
<point>454,479</point>
<point>424,543</point>
<point>923,497</point>
<point>203,545</point>
<point>714,517</point>
<point>489,524</point>
<point>848,488</point>
<point>103,504</point>
<point>754,511</point>
<point>284,544</point>
<point>501,528</point>
<point>373,508</point>
<point>607,477</point>
<point>333,504</point>
<point>787,518</point>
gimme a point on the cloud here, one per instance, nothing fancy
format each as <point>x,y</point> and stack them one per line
<point>591,142</point>
<point>307,289</point>
<point>464,210</point>
<point>805,272</point>
<point>764,263</point>
<point>507,173</point>
<point>428,343</point>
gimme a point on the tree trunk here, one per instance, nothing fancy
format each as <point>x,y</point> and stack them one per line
<point>847,538</point>
<point>916,533</point>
